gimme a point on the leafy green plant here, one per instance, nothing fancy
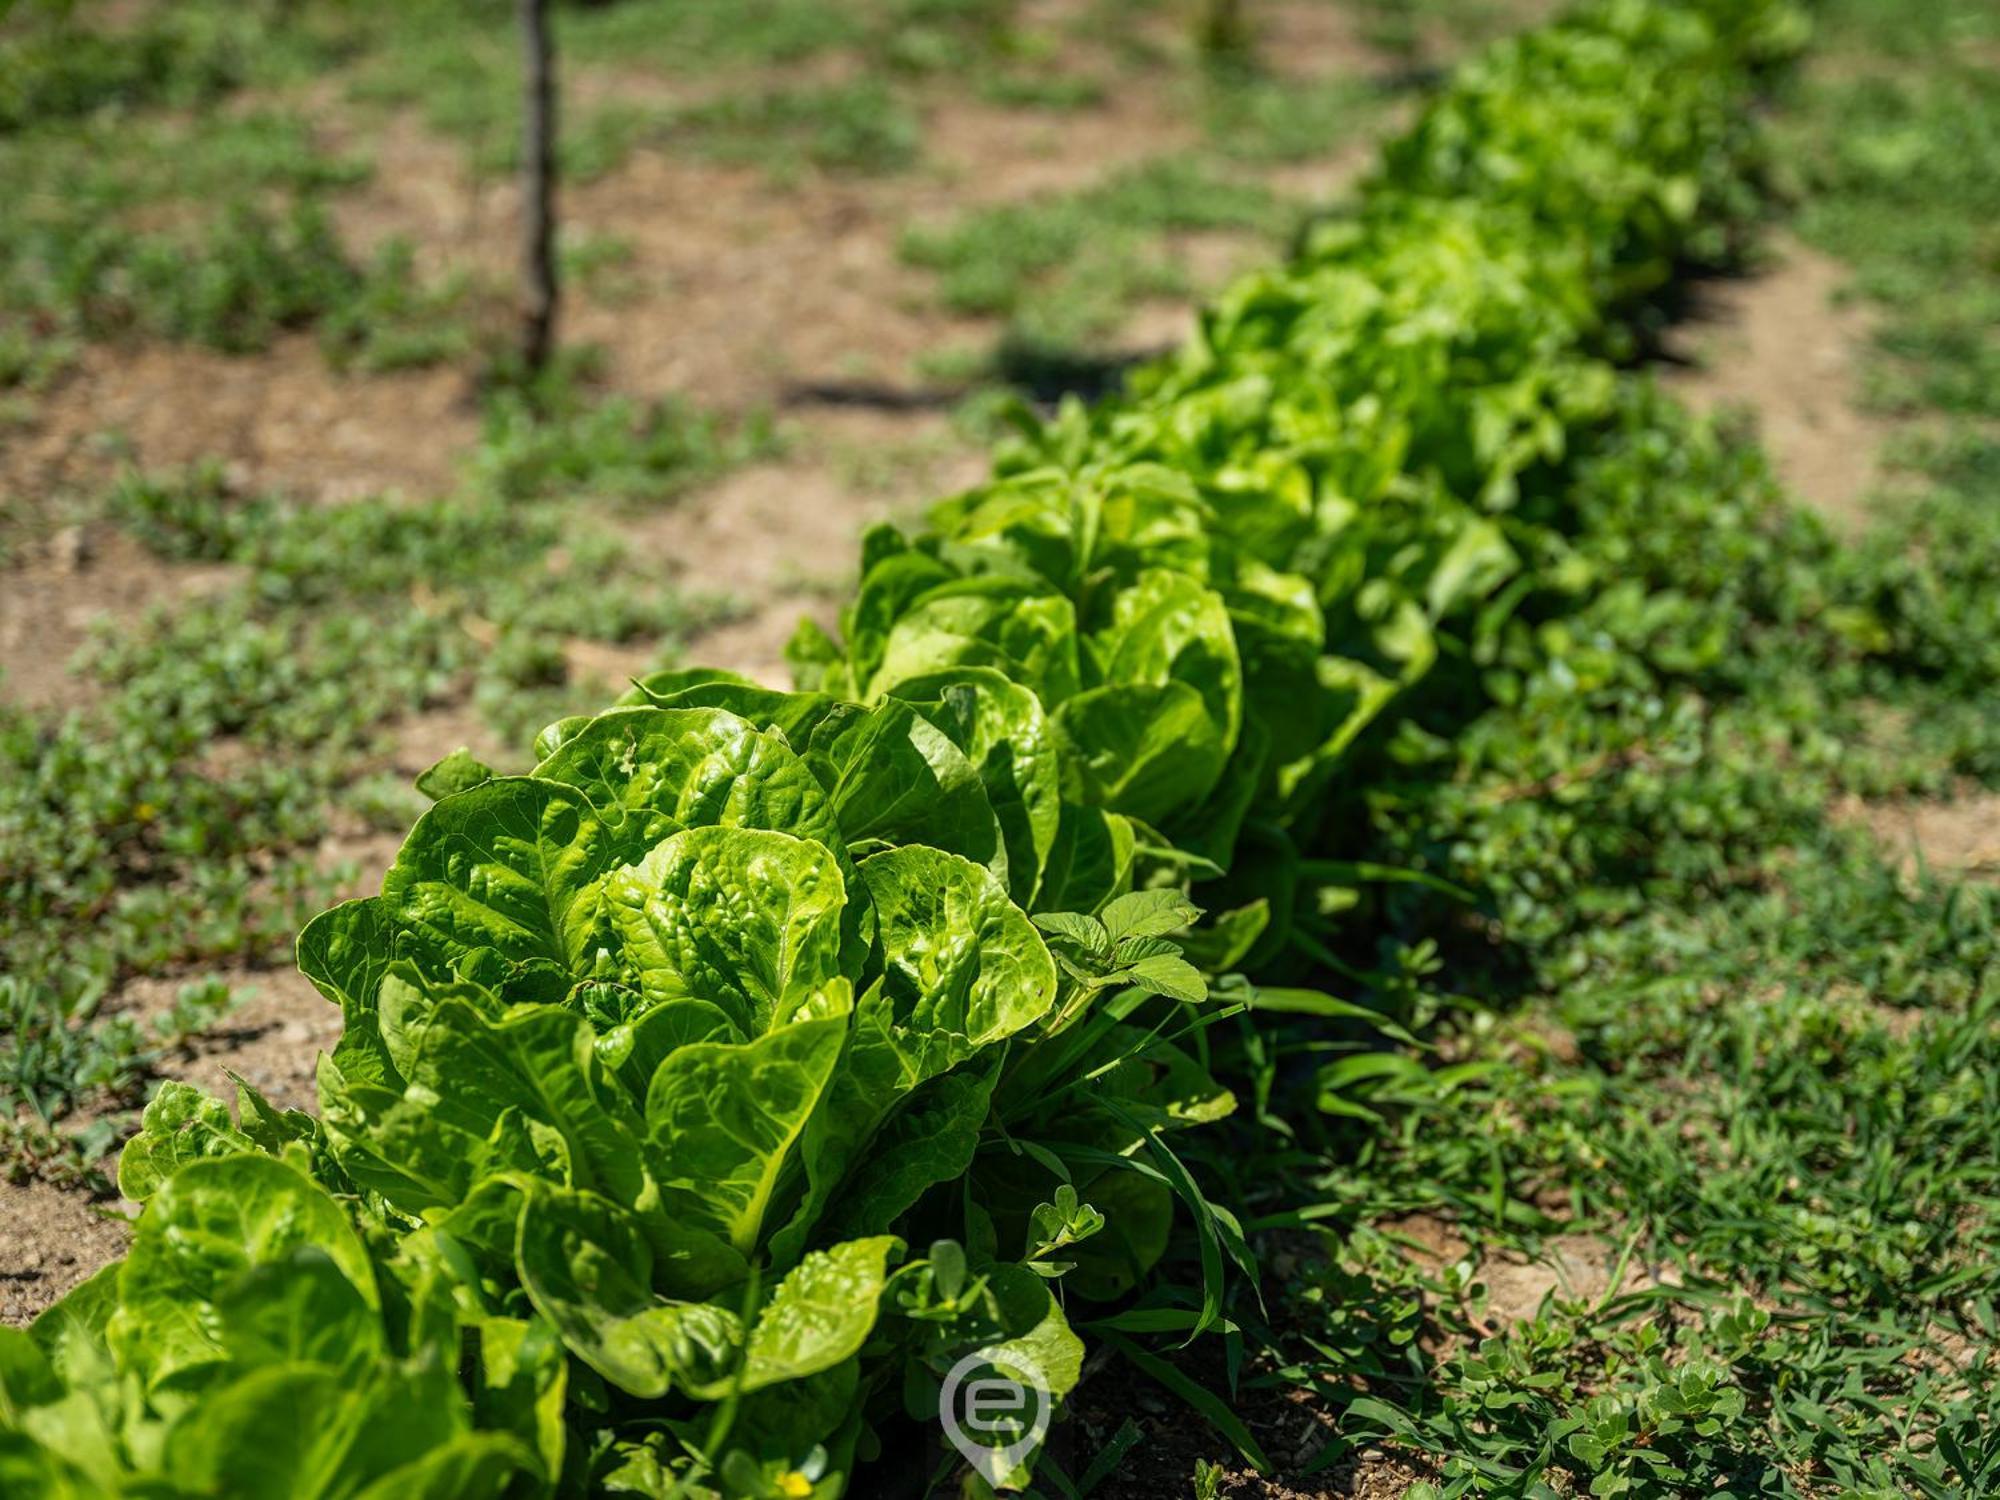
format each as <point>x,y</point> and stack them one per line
<point>1126,944</point>
<point>247,1299</point>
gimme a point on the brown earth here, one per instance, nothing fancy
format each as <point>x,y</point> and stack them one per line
<point>782,535</point>
<point>51,1238</point>
<point>1957,836</point>
<point>1783,345</point>
<point>281,420</point>
<point>70,582</point>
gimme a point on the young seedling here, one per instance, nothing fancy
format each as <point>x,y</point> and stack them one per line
<point>1126,945</point>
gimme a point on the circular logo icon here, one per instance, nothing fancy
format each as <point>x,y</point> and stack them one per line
<point>995,1407</point>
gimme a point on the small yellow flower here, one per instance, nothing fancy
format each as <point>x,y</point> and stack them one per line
<point>795,1486</point>
<point>145,812</point>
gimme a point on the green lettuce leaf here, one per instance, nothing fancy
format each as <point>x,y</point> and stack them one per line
<point>185,1290</point>
<point>750,921</point>
<point>514,866</point>
<point>724,1124</point>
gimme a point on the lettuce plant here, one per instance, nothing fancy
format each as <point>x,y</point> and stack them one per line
<point>252,1344</point>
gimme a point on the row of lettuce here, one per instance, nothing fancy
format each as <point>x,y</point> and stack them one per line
<point>711,1094</point>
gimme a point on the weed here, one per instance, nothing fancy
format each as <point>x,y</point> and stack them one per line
<point>1264,119</point>
<point>600,264</point>
<point>29,362</point>
<point>52,68</point>
<point>1065,269</point>
<point>218,236</point>
<point>1025,89</point>
<point>699,34</point>
<point>850,127</point>
<point>1904,186</point>
<point>557,438</point>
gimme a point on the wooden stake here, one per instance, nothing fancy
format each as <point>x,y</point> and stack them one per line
<point>538,187</point>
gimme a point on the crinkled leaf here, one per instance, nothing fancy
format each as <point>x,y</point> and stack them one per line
<point>964,966</point>
<point>513,865</point>
<point>895,778</point>
<point>346,951</point>
<point>790,716</point>
<point>181,1124</point>
<point>748,920</point>
<point>205,1230</point>
<point>931,1139</point>
<point>818,1316</point>
<point>1090,862</point>
<point>1168,627</point>
<point>588,1268</point>
<point>1147,750</point>
<point>635,1049</point>
<point>723,1124</point>
<point>651,772</point>
<point>1018,626</point>
<point>1005,734</point>
<point>466,1070</point>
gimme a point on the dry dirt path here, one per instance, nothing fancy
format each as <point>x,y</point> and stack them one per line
<point>1782,345</point>
<point>1786,346</point>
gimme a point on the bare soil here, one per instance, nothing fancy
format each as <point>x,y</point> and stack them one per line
<point>1782,345</point>
<point>782,536</point>
<point>68,582</point>
<point>1573,1267</point>
<point>281,420</point>
<point>51,1238</point>
<point>1958,836</point>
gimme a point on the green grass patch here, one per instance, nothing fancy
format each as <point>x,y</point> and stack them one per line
<point>1901,168</point>
<point>856,127</point>
<point>1265,119</point>
<point>560,437</point>
<point>1067,268</point>
<point>217,234</point>
<point>59,62</point>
